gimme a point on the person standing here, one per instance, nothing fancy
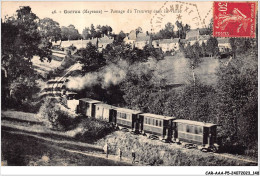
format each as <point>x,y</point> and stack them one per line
<point>105,148</point>
<point>133,156</point>
<point>119,152</point>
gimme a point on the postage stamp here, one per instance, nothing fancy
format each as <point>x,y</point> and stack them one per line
<point>234,19</point>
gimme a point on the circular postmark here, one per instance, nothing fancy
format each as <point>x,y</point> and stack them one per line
<point>176,11</point>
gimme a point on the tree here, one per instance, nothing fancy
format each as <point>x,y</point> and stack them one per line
<point>138,30</point>
<point>188,51</point>
<point>106,30</point>
<point>182,30</point>
<point>150,51</point>
<point>93,32</point>
<point>91,58</point>
<point>212,46</point>
<point>86,33</point>
<point>70,33</point>
<point>50,29</point>
<point>119,38</point>
<point>241,45</point>
<point>21,40</point>
<point>237,101</point>
<point>203,49</point>
<point>195,54</point>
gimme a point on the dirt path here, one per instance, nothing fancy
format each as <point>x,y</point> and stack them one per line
<point>97,152</point>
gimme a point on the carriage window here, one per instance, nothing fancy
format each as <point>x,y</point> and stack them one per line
<point>123,115</point>
<point>128,116</point>
<point>187,128</point>
<point>145,120</point>
<point>200,130</point>
<point>148,121</point>
<point>160,123</point>
<point>156,122</point>
<point>196,130</point>
<point>191,129</point>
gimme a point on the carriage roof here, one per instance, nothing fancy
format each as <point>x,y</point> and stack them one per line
<point>128,110</point>
<point>191,122</point>
<point>89,100</point>
<point>106,105</point>
<point>157,116</point>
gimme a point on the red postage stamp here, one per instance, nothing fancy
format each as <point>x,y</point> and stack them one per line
<point>234,19</point>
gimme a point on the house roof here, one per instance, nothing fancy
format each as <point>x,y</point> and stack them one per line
<point>92,41</point>
<point>223,40</point>
<point>203,31</point>
<point>192,33</point>
<point>142,37</point>
<point>191,122</point>
<point>183,40</point>
<point>157,116</point>
<point>128,110</point>
<point>175,40</point>
<point>132,35</point>
<point>204,37</point>
<point>89,100</point>
<point>191,39</point>
<point>106,39</point>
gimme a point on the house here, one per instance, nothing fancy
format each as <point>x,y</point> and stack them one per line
<point>200,35</point>
<point>191,40</point>
<point>131,38</point>
<point>203,38</point>
<point>142,39</point>
<point>169,44</point>
<point>156,44</point>
<point>104,41</point>
<point>224,45</point>
<point>193,33</point>
<point>101,42</point>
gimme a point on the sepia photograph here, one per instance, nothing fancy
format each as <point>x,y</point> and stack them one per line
<point>130,83</point>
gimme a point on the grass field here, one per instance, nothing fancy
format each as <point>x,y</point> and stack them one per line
<point>177,69</point>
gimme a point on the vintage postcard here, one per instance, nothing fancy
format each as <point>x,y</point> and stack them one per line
<point>130,83</point>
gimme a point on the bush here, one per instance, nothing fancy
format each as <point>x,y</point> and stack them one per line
<point>57,117</point>
<point>93,129</point>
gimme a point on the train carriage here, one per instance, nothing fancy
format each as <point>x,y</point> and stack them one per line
<point>199,133</point>
<point>126,117</point>
<point>105,112</point>
<point>86,107</point>
<point>161,126</point>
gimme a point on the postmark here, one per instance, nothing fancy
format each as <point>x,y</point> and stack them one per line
<point>176,11</point>
<point>234,19</point>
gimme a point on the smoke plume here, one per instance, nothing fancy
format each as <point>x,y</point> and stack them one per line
<point>112,74</point>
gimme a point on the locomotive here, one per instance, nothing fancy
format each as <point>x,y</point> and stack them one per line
<point>191,134</point>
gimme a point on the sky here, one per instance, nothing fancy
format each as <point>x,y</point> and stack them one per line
<point>115,14</point>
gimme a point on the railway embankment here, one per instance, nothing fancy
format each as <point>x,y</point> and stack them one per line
<point>62,144</point>
<point>157,153</point>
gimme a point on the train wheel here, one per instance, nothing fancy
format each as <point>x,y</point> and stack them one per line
<point>214,149</point>
<point>204,150</point>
